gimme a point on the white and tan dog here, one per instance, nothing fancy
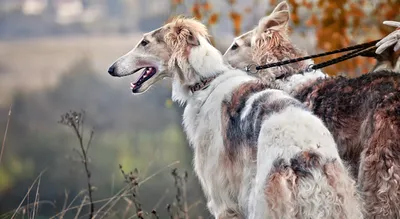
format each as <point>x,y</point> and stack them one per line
<point>363,113</point>
<point>257,152</point>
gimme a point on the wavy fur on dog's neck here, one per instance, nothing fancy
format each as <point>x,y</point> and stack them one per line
<point>191,60</point>
<point>273,46</point>
<point>271,43</point>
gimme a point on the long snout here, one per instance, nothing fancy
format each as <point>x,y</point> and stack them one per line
<point>132,62</point>
<point>123,66</point>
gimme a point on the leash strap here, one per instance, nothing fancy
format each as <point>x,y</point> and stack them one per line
<point>358,49</point>
<point>343,58</point>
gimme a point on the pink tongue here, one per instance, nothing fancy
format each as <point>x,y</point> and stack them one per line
<point>146,73</point>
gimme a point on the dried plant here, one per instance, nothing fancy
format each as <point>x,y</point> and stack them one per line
<point>179,208</point>
<point>132,179</point>
<point>76,121</point>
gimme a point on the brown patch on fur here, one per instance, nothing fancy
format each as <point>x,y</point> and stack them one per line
<point>244,90</point>
<point>231,110</point>
<point>282,184</point>
<point>237,152</point>
<point>332,171</point>
<point>297,188</point>
<point>280,190</point>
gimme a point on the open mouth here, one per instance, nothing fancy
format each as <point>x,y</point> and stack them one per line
<point>147,73</point>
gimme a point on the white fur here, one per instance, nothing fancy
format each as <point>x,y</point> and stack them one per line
<point>282,137</point>
<point>202,121</point>
<point>282,134</point>
<point>227,184</point>
<point>294,81</point>
<point>297,80</point>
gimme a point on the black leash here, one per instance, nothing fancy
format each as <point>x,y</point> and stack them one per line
<point>342,58</point>
<point>359,50</point>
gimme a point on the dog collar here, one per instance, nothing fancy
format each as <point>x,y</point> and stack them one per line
<point>203,84</point>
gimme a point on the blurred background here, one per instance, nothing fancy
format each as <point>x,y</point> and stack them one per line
<point>54,56</point>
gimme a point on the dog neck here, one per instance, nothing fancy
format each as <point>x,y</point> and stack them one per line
<point>203,84</point>
<point>204,63</point>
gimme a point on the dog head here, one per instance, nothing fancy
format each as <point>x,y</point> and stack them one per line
<point>167,52</point>
<point>267,43</point>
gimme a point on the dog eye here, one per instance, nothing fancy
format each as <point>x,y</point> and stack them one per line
<point>234,46</point>
<point>144,42</point>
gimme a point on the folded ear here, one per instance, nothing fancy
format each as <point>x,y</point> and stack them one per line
<point>192,40</point>
<point>184,32</point>
<point>277,19</point>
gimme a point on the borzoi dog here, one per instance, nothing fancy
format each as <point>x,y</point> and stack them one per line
<point>257,152</point>
<point>363,113</point>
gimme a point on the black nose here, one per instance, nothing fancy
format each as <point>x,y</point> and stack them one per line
<point>111,70</point>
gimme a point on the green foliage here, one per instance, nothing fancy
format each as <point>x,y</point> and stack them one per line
<point>142,132</point>
<point>13,170</point>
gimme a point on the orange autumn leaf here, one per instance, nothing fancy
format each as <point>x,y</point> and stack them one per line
<point>391,13</point>
<point>213,19</point>
<point>206,6</point>
<point>332,28</point>
<point>248,10</point>
<point>355,10</point>
<point>231,2</point>
<point>177,2</point>
<point>272,2</point>
<point>293,3</point>
<point>356,22</point>
<point>307,4</point>
<point>371,61</point>
<point>327,45</point>
<point>196,11</point>
<point>364,69</point>
<point>237,22</point>
<point>313,21</point>
<point>295,18</point>
<point>359,61</point>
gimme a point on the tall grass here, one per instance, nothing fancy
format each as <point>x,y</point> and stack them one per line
<point>106,208</point>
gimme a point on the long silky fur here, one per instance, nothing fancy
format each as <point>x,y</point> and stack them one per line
<point>363,113</point>
<point>251,143</point>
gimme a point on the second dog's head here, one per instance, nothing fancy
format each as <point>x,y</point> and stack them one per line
<point>267,43</point>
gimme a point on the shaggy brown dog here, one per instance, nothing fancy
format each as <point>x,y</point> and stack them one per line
<point>363,113</point>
